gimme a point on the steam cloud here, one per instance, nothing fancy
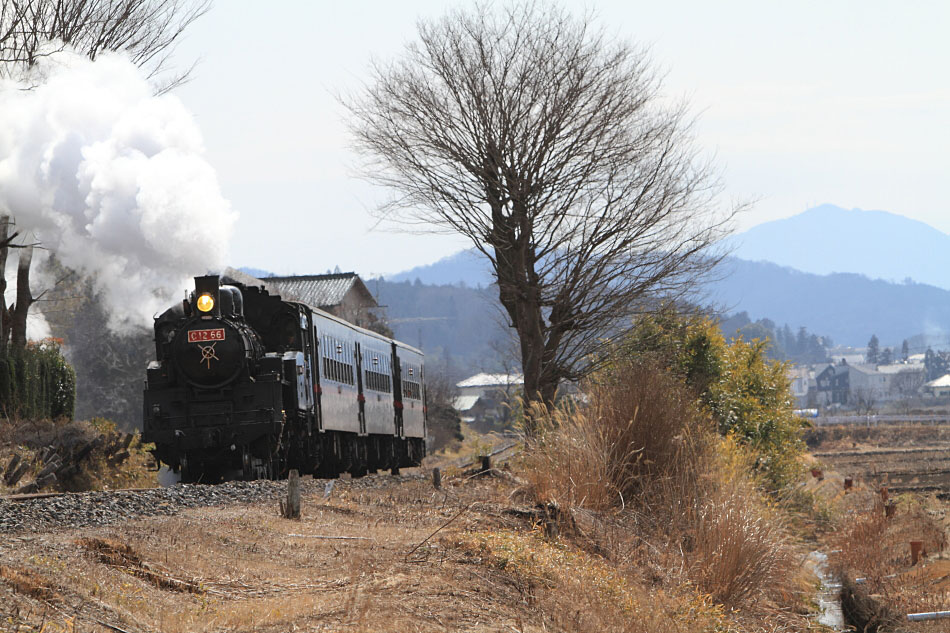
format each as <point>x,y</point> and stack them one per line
<point>112,180</point>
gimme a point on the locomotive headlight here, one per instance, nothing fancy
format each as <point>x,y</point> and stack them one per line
<point>205,303</point>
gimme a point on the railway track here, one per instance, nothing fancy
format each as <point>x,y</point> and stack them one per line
<point>66,510</point>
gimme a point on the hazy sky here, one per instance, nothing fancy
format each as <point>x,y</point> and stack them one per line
<point>802,103</point>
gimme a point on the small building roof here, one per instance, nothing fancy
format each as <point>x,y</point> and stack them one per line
<point>864,369</point>
<point>943,381</point>
<point>897,368</point>
<point>233,275</point>
<point>464,403</point>
<point>323,291</point>
<point>492,380</point>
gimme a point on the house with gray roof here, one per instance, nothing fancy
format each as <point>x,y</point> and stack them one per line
<point>341,294</point>
<point>849,384</point>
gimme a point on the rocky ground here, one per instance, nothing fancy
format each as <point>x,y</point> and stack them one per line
<point>76,510</point>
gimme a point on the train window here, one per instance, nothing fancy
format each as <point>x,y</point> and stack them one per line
<point>337,363</point>
<point>377,371</point>
<point>411,381</point>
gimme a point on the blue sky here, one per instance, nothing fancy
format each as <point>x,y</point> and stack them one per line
<point>801,103</point>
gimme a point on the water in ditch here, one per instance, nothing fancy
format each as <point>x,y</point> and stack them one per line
<point>829,593</point>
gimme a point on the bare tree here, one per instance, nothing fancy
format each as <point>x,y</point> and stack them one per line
<point>864,400</point>
<point>908,382</point>
<point>6,238</point>
<point>549,146</point>
<point>146,30</point>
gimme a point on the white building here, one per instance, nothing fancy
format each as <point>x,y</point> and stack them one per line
<point>486,398</point>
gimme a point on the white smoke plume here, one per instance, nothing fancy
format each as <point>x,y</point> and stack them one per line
<point>112,180</point>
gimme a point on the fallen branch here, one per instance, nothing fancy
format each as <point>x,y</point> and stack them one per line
<point>440,528</point>
<point>334,538</point>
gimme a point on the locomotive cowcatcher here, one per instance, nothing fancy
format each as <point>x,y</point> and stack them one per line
<point>248,385</point>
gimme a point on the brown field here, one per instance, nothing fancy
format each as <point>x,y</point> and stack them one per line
<point>905,458</point>
<point>358,562</point>
<point>912,462</point>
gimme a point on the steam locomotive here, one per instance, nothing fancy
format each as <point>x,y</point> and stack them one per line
<point>247,385</point>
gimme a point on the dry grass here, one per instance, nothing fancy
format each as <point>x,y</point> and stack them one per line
<point>876,548</point>
<point>584,592</point>
<point>26,582</point>
<point>258,572</point>
<point>847,436</point>
<point>485,571</point>
<point>643,455</point>
<point>27,438</point>
<point>873,546</point>
<point>640,431</point>
<point>739,550</point>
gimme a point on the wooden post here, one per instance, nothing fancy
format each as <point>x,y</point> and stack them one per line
<point>848,482</point>
<point>437,478</point>
<point>486,463</point>
<point>290,509</point>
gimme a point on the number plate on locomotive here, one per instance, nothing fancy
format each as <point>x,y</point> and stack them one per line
<point>200,336</point>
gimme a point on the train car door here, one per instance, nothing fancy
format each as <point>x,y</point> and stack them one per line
<point>359,387</point>
<point>397,393</point>
<point>317,372</point>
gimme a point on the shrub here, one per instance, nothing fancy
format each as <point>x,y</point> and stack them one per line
<point>645,455</point>
<point>746,393</point>
<point>639,429</point>
<point>36,382</point>
<point>738,549</point>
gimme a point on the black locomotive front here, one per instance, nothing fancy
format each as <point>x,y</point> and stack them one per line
<point>214,400</point>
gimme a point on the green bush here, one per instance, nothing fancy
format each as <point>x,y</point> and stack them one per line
<point>36,382</point>
<point>746,393</point>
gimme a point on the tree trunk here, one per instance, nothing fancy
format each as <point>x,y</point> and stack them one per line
<point>4,249</point>
<point>521,301</point>
<point>24,299</point>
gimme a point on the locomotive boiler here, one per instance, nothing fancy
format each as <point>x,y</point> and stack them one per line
<point>247,385</point>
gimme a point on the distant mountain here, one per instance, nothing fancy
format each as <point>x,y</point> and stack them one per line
<point>468,267</point>
<point>455,326</point>
<point>847,307</point>
<point>256,272</point>
<point>829,239</point>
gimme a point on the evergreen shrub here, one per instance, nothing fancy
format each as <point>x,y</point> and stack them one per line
<point>36,382</point>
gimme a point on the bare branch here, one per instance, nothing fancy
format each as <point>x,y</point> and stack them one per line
<point>146,30</point>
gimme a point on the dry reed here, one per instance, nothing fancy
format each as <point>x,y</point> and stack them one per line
<point>644,453</point>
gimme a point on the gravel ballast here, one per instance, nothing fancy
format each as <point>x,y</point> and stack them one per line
<point>84,509</point>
